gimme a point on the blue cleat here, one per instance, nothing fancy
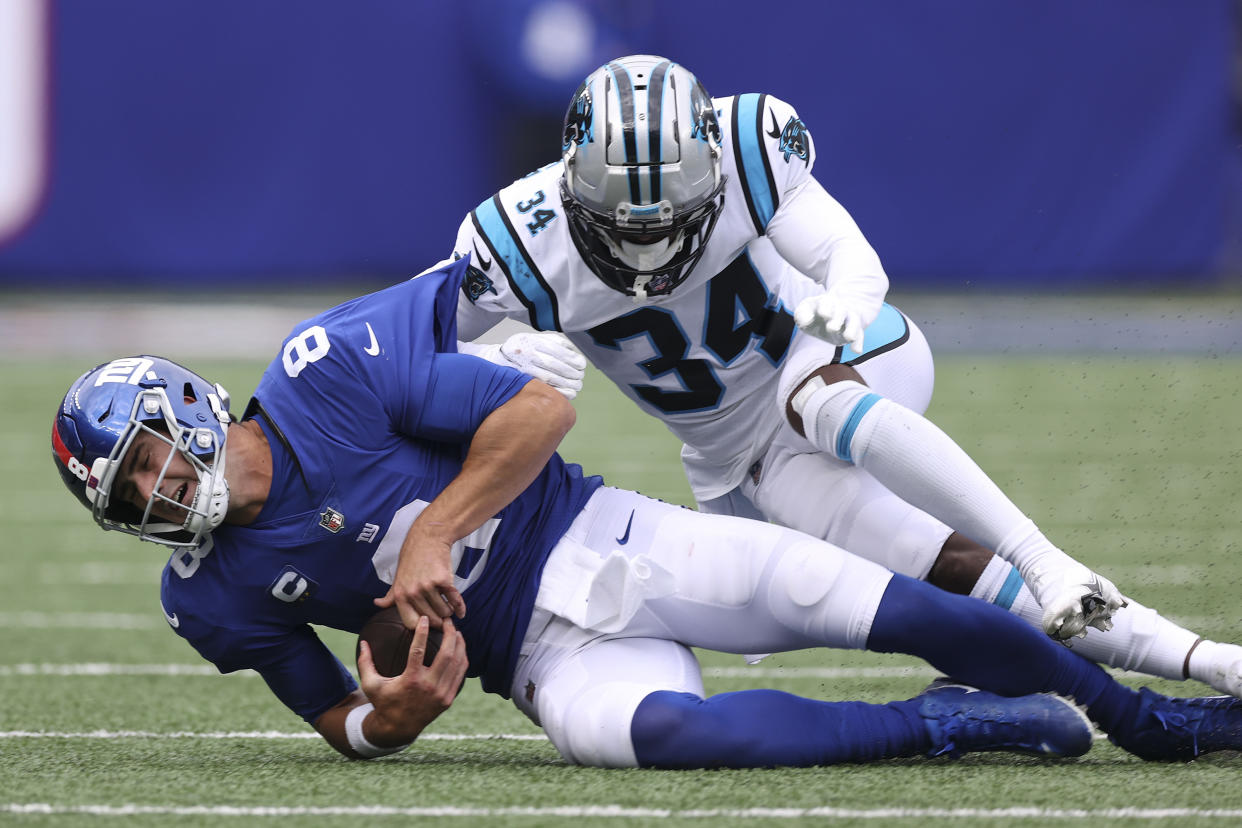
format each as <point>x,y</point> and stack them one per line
<point>1171,729</point>
<point>961,719</point>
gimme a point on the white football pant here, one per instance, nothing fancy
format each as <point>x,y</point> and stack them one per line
<point>636,582</point>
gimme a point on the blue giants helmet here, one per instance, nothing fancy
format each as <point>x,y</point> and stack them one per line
<point>643,185</point>
<point>107,407</point>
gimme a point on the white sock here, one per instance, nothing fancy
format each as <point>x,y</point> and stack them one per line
<point>924,466</point>
<point>917,461</point>
<point>1217,664</point>
<point>1141,639</point>
<point>999,584</point>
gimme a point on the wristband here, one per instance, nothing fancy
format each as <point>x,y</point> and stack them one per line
<point>357,741</point>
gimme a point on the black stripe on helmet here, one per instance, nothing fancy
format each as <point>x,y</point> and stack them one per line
<point>655,106</point>
<point>625,93</point>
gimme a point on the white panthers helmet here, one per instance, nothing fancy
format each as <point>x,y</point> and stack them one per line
<point>643,185</point>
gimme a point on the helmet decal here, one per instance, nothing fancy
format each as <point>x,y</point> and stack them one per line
<point>129,370</point>
<point>578,119</point>
<point>706,127</point>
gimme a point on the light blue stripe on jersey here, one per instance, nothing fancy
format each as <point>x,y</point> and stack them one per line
<point>511,255</point>
<point>888,327</point>
<point>754,171</point>
<point>1009,590</point>
<point>851,425</point>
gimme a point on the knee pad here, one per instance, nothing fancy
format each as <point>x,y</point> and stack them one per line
<point>825,593</point>
<point>594,729</point>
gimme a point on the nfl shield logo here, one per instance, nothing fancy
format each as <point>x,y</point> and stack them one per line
<point>332,520</point>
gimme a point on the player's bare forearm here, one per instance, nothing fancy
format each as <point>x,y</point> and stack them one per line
<point>331,723</point>
<point>508,451</point>
<point>401,706</point>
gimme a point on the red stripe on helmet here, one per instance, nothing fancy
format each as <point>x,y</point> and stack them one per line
<point>58,445</point>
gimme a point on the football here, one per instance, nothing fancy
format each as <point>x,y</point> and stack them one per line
<point>390,641</point>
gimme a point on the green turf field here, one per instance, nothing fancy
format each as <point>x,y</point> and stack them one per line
<point>1134,465</point>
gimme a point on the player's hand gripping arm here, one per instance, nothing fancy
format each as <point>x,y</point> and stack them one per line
<point>815,234</point>
<point>548,356</point>
<point>508,450</point>
<point>392,712</point>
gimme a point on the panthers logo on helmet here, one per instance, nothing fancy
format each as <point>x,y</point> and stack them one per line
<point>578,120</point>
<point>794,140</point>
<point>706,127</point>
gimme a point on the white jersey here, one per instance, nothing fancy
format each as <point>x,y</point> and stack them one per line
<point>706,358</point>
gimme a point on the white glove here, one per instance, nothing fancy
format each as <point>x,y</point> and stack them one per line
<point>548,357</point>
<point>1074,598</point>
<point>828,317</point>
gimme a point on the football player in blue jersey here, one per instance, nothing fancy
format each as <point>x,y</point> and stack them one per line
<point>375,465</point>
<point>680,243</point>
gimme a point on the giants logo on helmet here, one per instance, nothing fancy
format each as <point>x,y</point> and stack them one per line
<point>128,370</point>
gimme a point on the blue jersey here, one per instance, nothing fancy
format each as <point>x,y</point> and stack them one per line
<point>368,412</point>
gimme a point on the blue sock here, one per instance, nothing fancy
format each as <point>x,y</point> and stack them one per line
<point>768,728</point>
<point>982,645</point>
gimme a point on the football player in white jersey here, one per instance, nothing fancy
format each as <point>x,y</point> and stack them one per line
<point>680,243</point>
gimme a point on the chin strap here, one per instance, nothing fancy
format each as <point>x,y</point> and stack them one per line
<point>211,501</point>
<point>640,288</point>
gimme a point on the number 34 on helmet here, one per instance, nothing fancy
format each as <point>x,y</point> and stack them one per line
<point>643,185</point>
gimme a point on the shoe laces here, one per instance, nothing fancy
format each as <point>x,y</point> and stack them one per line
<point>1186,718</point>
<point>954,724</point>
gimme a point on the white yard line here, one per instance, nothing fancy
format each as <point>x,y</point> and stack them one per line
<point>44,620</point>
<point>113,669</point>
<point>41,620</point>
<point>621,812</point>
<point>104,669</point>
<point>249,734</point>
<point>97,669</point>
<point>270,735</point>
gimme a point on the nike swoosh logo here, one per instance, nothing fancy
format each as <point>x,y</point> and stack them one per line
<point>484,264</point>
<point>624,539</point>
<point>775,132</point>
<point>172,620</point>
<point>373,349</point>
